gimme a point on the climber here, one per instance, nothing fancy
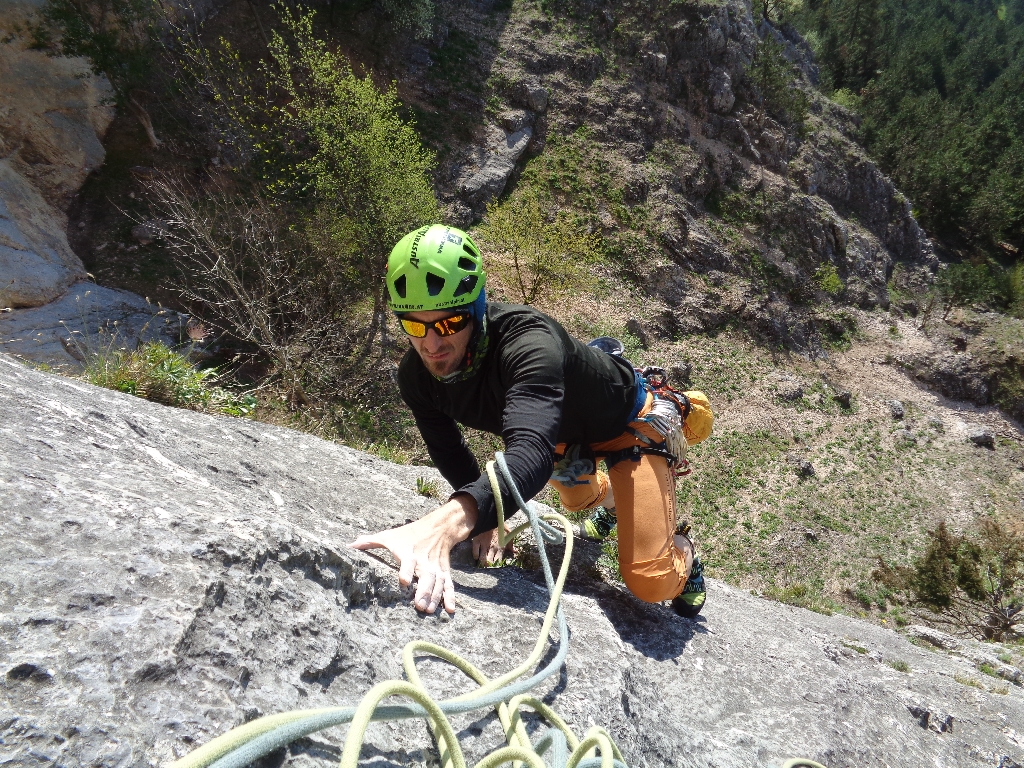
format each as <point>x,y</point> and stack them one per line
<point>558,404</point>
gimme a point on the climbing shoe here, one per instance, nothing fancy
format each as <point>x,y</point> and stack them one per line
<point>689,603</point>
<point>599,525</point>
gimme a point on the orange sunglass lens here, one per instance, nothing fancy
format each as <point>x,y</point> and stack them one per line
<point>415,329</point>
<point>451,325</point>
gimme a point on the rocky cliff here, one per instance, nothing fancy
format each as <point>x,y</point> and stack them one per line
<point>53,114</point>
<point>165,576</point>
<point>647,119</point>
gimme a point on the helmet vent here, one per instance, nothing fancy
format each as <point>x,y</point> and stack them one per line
<point>466,285</point>
<point>470,247</point>
<point>435,284</point>
<point>467,265</point>
<point>400,287</point>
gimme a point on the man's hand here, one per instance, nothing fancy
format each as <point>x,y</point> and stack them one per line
<point>422,550</point>
<point>488,550</point>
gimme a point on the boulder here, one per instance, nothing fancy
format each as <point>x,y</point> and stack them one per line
<point>896,409</point>
<point>981,436</point>
<point>501,153</point>
<point>53,113</point>
<point>87,319</point>
<point>168,575</point>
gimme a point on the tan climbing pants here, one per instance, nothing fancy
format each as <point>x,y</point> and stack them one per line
<point>652,566</point>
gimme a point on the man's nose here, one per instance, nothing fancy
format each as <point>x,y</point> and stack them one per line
<point>433,339</point>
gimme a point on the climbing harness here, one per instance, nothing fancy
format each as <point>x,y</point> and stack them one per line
<point>667,415</point>
<point>508,694</point>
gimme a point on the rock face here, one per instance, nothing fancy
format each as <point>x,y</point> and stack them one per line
<point>84,320</point>
<point>52,115</point>
<point>496,162</point>
<point>165,576</point>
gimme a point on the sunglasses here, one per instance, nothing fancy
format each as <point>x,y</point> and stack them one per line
<point>446,326</point>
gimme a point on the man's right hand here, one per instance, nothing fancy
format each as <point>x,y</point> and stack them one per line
<point>422,550</point>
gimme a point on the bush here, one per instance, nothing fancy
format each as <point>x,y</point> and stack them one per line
<point>546,253</point>
<point>155,372</point>
<point>974,586</point>
<point>967,283</point>
<point>827,278</point>
<point>776,80</point>
<point>330,177</point>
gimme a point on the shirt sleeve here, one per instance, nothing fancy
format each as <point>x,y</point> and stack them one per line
<point>532,368</point>
<point>445,443</point>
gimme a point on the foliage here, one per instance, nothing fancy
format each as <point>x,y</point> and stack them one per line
<point>775,79</point>
<point>547,253</point>
<point>940,87</point>
<point>966,283</point>
<point>155,372</point>
<point>417,16</point>
<point>827,278</point>
<point>348,178</point>
<point>975,585</point>
<point>429,488</point>
<point>119,37</point>
<point>291,293</point>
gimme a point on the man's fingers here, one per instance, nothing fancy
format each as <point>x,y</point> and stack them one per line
<point>406,571</point>
<point>367,542</point>
<point>424,590</point>
<point>440,585</point>
<point>449,593</point>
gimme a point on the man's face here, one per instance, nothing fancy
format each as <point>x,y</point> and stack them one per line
<point>442,355</point>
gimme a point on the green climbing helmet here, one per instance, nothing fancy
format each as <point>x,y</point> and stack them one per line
<point>434,267</point>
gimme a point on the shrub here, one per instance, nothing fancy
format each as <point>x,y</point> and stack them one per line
<point>974,586</point>
<point>547,253</point>
<point>1015,289</point>
<point>827,278</point>
<point>155,372</point>
<point>775,79</point>
<point>331,178</point>
<point>966,283</point>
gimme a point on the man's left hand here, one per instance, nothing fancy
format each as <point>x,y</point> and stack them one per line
<point>488,550</point>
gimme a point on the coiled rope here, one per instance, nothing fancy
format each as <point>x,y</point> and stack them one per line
<point>508,694</point>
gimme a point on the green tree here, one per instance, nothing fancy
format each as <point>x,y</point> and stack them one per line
<point>539,253</point>
<point>119,37</point>
<point>365,165</point>
<point>974,585</point>
<point>776,80</point>
<point>330,178</point>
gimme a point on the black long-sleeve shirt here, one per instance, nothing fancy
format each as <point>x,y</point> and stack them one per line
<point>536,387</point>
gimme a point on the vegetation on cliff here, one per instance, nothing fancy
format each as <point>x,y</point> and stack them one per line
<point>939,85</point>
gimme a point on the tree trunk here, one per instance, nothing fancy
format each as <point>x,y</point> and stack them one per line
<point>144,119</point>
<point>259,24</point>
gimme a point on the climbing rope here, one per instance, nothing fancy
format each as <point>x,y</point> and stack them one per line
<point>508,694</point>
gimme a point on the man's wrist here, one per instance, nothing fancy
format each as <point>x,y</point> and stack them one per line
<point>462,516</point>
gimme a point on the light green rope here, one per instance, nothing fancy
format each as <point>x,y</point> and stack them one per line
<point>507,693</point>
